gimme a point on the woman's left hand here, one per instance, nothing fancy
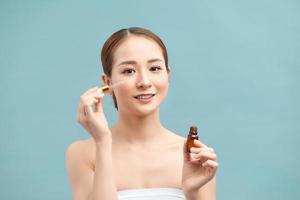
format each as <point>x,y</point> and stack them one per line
<point>199,166</point>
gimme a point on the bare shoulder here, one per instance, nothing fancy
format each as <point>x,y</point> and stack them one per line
<point>176,139</point>
<point>78,146</point>
<point>79,169</point>
<point>80,151</point>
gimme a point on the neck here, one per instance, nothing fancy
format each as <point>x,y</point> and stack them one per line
<point>138,130</point>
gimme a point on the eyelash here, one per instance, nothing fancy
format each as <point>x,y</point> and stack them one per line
<point>154,67</point>
<point>126,70</point>
<point>157,67</point>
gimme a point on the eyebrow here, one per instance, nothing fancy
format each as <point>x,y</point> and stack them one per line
<point>132,62</point>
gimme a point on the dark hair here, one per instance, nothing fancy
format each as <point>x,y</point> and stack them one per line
<point>117,38</point>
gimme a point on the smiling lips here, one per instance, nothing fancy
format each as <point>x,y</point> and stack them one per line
<point>144,97</point>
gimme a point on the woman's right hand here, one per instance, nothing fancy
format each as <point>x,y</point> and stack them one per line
<point>93,121</point>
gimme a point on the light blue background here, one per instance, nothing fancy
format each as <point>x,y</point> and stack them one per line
<point>235,74</point>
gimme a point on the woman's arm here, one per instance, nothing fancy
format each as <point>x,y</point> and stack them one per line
<point>85,183</point>
<point>199,172</point>
<point>206,192</point>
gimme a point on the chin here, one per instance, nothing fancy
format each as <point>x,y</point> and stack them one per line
<point>141,110</point>
<point>145,111</point>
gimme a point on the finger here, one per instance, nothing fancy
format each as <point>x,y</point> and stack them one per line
<point>199,144</point>
<point>210,163</point>
<point>198,149</point>
<point>99,91</point>
<point>94,95</point>
<point>91,102</point>
<point>98,106</point>
<point>204,155</point>
<point>88,92</point>
<point>81,113</point>
<point>96,98</point>
<point>88,110</point>
<point>94,89</point>
<point>91,94</point>
<point>86,103</point>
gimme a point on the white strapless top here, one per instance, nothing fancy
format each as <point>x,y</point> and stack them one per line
<point>151,194</point>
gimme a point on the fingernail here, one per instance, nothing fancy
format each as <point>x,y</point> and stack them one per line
<point>99,91</point>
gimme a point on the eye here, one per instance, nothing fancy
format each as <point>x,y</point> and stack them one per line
<point>128,71</point>
<point>155,68</point>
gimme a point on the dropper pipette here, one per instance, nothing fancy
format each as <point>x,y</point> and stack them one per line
<point>107,89</point>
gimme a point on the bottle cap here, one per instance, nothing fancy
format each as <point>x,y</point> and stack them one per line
<point>193,130</point>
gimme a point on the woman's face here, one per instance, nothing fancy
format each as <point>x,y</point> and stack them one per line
<point>139,62</point>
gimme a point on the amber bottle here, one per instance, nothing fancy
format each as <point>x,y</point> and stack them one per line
<point>193,134</point>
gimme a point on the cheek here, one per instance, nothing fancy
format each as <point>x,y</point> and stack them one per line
<point>123,92</point>
<point>162,84</point>
<point>115,77</point>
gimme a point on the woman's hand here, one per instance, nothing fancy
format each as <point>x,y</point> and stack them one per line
<point>199,166</point>
<point>93,121</point>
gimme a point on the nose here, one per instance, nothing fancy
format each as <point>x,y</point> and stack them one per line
<point>143,81</point>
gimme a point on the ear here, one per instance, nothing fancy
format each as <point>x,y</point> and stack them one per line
<point>105,79</point>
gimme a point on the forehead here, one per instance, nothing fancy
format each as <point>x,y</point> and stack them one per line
<point>137,48</point>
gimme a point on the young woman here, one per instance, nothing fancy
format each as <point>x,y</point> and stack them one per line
<point>137,158</point>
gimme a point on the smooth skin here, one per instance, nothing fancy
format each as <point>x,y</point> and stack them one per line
<point>144,154</point>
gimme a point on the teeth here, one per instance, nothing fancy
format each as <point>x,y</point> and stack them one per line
<point>144,96</point>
